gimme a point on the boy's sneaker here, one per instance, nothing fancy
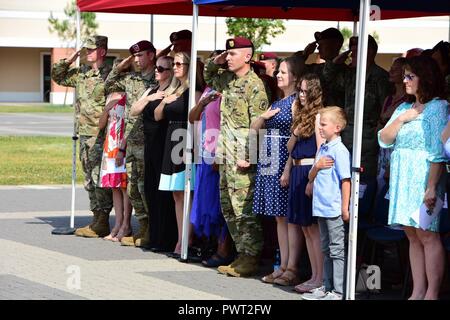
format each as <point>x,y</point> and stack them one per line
<point>332,295</point>
<point>315,294</point>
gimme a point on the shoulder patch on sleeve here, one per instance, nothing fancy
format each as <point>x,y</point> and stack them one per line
<point>263,105</point>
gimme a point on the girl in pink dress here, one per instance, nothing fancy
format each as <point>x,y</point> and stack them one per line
<point>113,173</point>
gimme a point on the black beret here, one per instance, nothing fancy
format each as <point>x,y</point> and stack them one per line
<point>330,33</point>
<point>181,35</point>
<point>372,44</point>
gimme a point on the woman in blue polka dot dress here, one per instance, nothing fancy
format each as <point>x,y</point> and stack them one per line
<point>272,179</point>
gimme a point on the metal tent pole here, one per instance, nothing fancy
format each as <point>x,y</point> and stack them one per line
<point>357,135</point>
<point>71,229</point>
<point>151,28</point>
<point>189,135</point>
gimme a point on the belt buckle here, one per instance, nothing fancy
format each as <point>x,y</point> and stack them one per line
<point>447,166</point>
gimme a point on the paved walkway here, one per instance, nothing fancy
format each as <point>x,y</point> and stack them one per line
<point>36,124</point>
<point>35,264</point>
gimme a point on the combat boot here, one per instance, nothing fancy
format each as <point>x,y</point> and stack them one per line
<point>247,267</point>
<point>140,235</point>
<point>144,241</point>
<point>225,269</point>
<point>100,229</point>
<point>81,231</point>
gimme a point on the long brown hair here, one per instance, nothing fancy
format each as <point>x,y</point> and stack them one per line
<point>306,115</point>
<point>296,66</point>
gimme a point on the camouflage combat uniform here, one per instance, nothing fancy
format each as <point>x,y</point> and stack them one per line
<point>91,99</point>
<point>134,84</point>
<point>243,100</point>
<point>377,89</point>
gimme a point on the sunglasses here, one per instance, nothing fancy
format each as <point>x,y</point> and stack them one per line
<point>162,69</point>
<point>178,64</point>
<point>409,77</point>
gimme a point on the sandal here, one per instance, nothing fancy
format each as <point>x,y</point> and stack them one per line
<point>216,261</point>
<point>112,235</point>
<point>288,278</point>
<point>121,234</point>
<point>270,278</point>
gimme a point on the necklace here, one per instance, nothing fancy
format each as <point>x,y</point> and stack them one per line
<point>159,88</point>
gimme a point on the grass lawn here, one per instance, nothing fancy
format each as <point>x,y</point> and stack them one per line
<point>38,107</point>
<point>37,160</point>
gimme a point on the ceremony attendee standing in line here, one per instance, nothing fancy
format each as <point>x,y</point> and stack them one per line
<point>330,175</point>
<point>89,84</point>
<point>417,164</point>
<point>134,83</point>
<point>243,100</point>
<point>273,172</point>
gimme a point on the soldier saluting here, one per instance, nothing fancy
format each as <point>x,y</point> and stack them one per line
<point>89,83</point>
<point>243,99</point>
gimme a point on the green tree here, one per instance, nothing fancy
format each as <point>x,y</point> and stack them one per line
<point>259,31</point>
<point>67,28</point>
<point>347,34</point>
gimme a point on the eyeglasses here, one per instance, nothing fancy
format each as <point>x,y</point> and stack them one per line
<point>303,92</point>
<point>178,64</point>
<point>408,77</point>
<point>161,69</point>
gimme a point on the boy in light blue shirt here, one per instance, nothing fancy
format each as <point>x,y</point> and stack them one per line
<point>331,197</point>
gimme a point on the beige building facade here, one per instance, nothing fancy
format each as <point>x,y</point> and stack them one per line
<point>28,49</point>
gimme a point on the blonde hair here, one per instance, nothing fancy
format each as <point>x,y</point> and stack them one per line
<point>176,87</point>
<point>173,81</point>
<point>337,115</point>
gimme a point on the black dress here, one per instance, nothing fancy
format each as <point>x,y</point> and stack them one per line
<point>162,222</point>
<point>173,167</point>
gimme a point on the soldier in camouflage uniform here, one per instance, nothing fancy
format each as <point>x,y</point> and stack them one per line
<point>329,43</point>
<point>135,84</point>
<point>377,89</point>
<point>91,98</point>
<point>243,99</point>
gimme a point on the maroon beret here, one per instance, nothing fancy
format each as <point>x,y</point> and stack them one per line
<point>238,42</point>
<point>267,56</point>
<point>257,65</point>
<point>143,45</point>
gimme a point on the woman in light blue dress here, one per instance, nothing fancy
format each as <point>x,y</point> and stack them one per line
<point>414,132</point>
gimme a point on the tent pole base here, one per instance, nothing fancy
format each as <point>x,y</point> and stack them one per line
<point>63,231</point>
